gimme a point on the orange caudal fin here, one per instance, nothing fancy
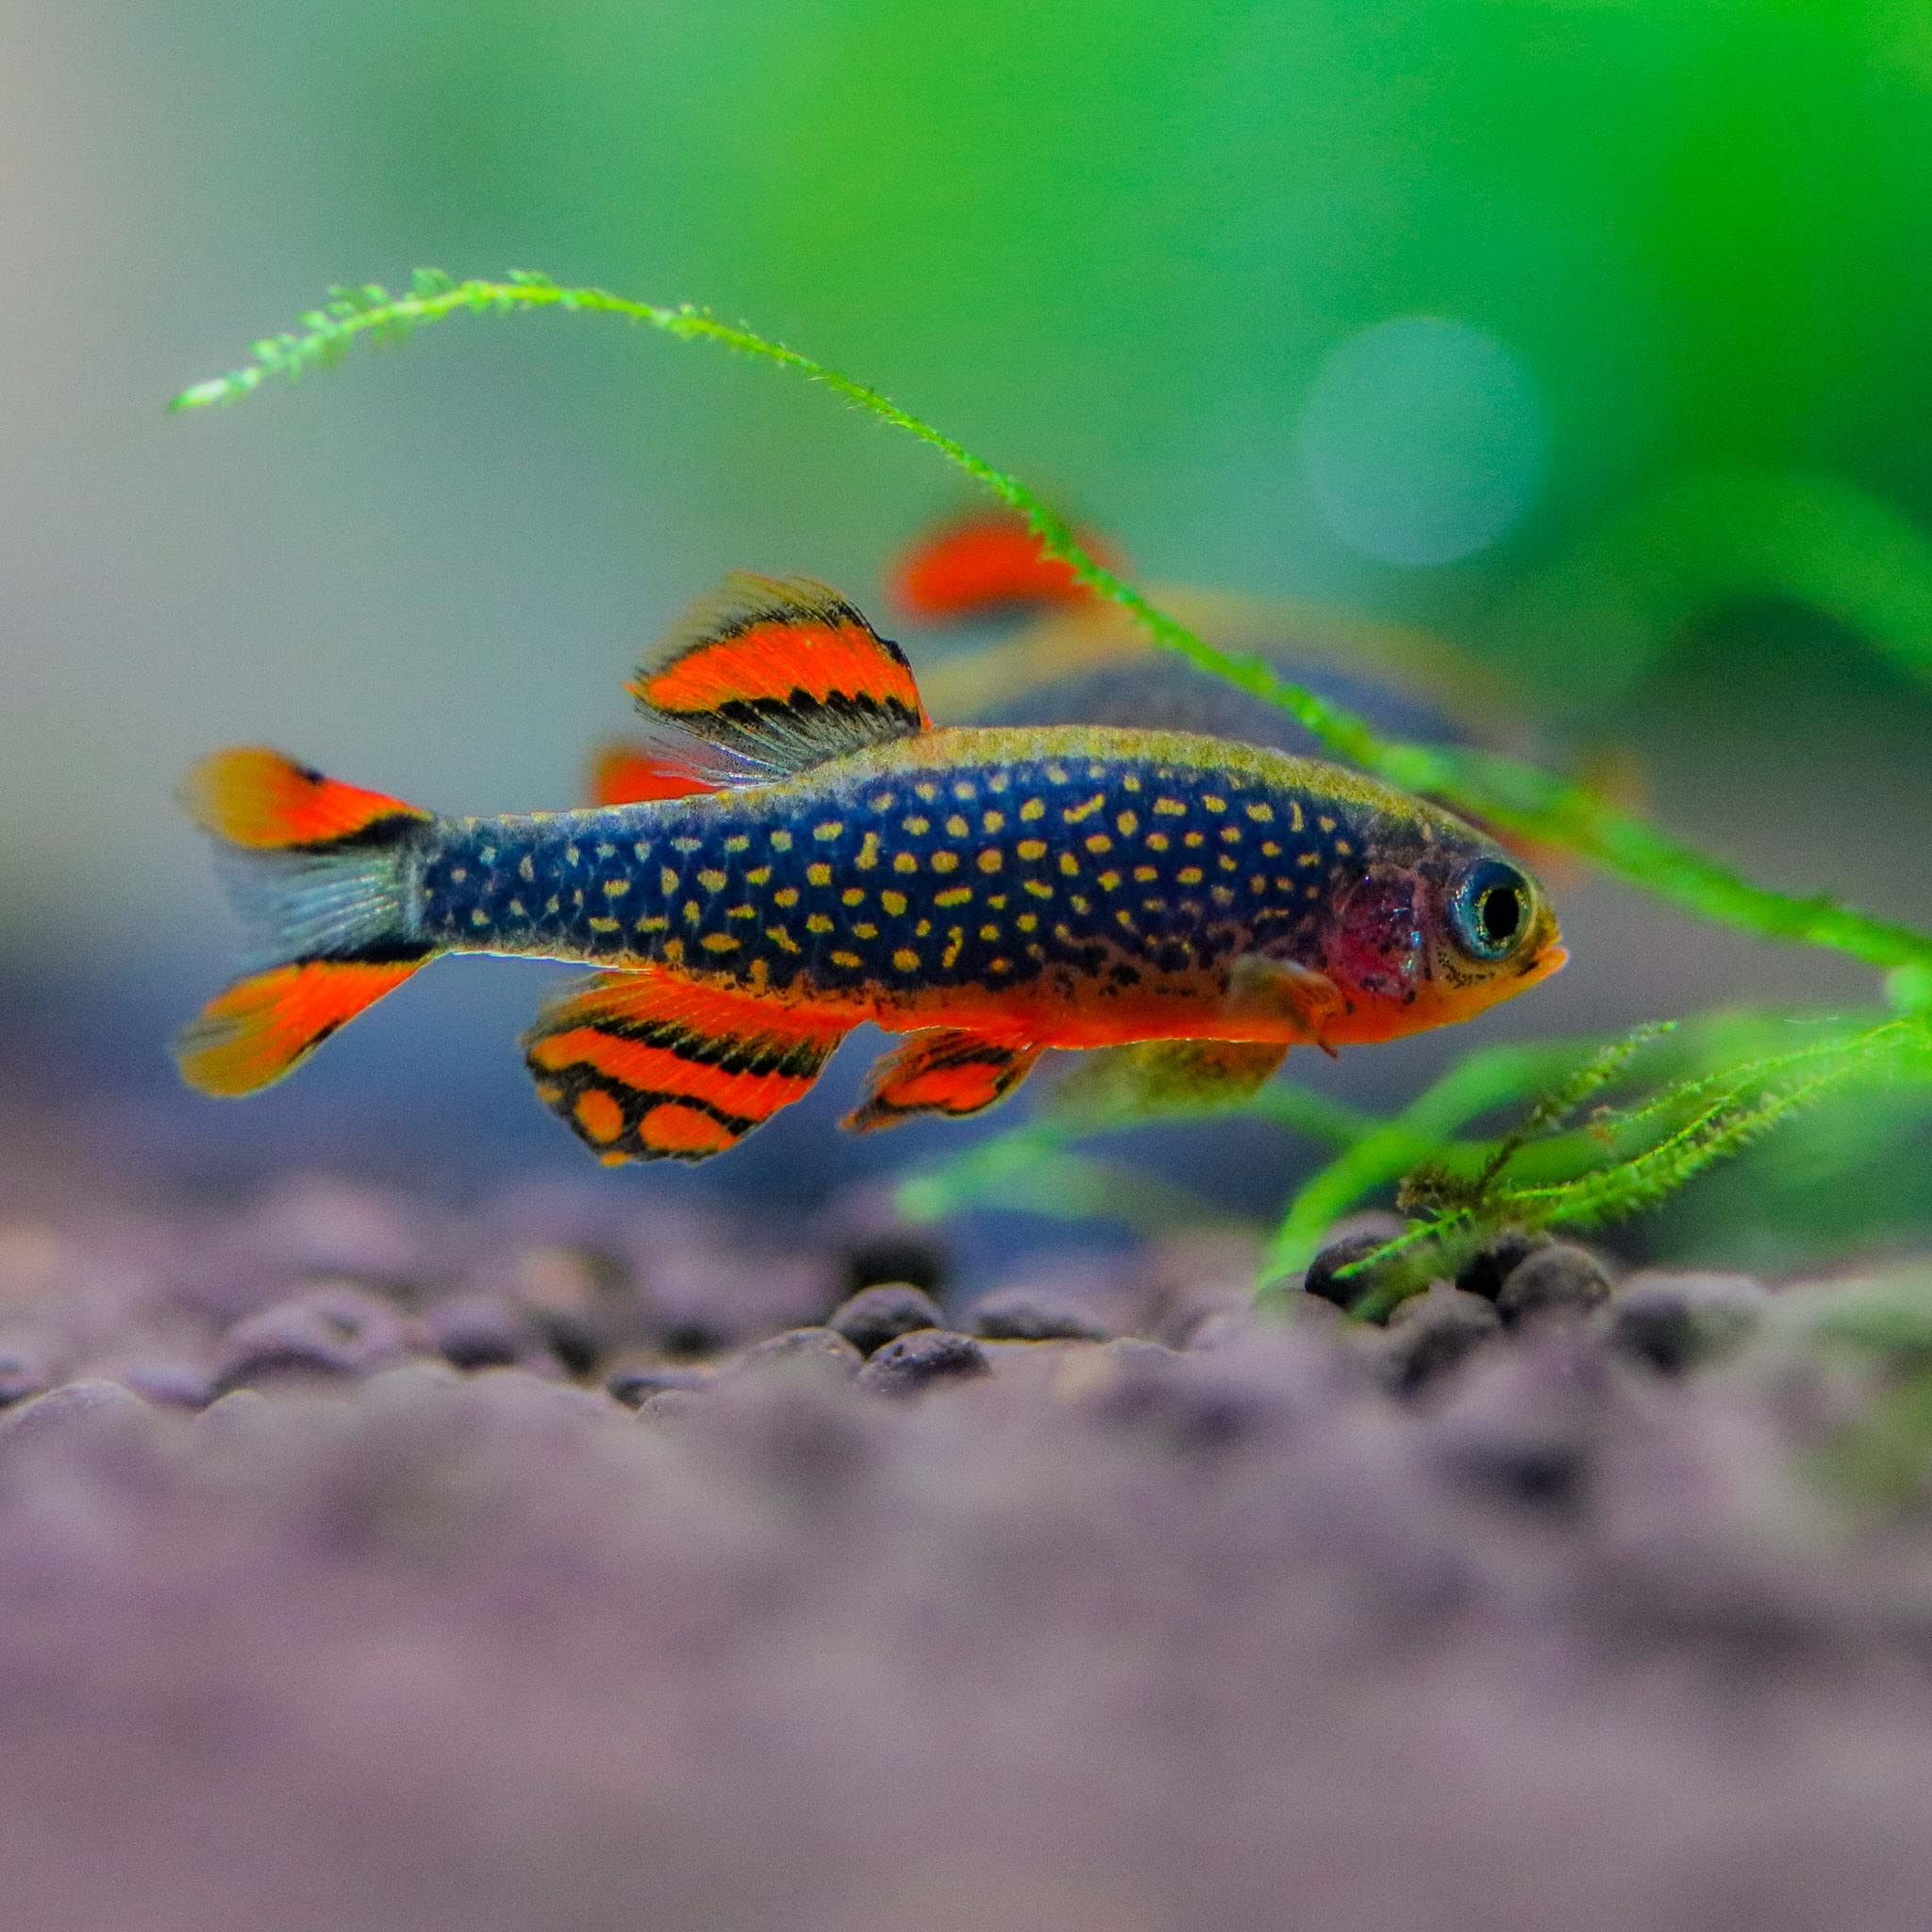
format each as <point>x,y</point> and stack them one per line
<point>322,870</point>
<point>986,564</point>
<point>944,1071</point>
<point>265,801</point>
<point>768,677</point>
<point>646,1066</point>
<point>623,774</point>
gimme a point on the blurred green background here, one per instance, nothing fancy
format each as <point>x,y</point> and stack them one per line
<point>1590,334</point>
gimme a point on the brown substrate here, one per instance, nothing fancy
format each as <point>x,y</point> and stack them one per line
<point>1168,1620</point>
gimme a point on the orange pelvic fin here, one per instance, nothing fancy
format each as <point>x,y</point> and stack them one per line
<point>628,774</point>
<point>983,564</point>
<point>943,1071</point>
<point>265,801</point>
<point>1280,992</point>
<point>265,1026</point>
<point>770,675</point>
<point>648,1066</point>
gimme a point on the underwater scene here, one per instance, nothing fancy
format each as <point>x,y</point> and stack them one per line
<point>967,971</point>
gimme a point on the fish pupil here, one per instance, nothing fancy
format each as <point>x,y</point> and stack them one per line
<point>1499,913</point>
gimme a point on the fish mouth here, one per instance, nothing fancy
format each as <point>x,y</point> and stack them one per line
<point>1548,960</point>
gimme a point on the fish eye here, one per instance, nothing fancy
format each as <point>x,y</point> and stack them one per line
<point>1491,910</point>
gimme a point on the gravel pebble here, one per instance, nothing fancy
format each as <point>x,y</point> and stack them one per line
<point>1025,1314</point>
<point>1560,1281</point>
<point>882,1313</point>
<point>1672,1322</point>
<point>918,1361</point>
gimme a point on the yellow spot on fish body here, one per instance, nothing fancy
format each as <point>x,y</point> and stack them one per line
<point>479,917</point>
<point>1170,807</point>
<point>1231,835</point>
<point>868,855</point>
<point>818,921</point>
<point>641,851</point>
<point>1126,918</point>
<point>759,876</point>
<point>1144,873</point>
<point>991,860</point>
<point>669,881</point>
<point>781,839</point>
<point>738,842</point>
<point>1326,823</point>
<point>956,827</point>
<point>927,789</point>
<point>829,830</point>
<point>894,903</point>
<point>760,974</point>
<point>1129,782</point>
<point>865,929</point>
<point>673,952</point>
<point>1127,823</point>
<point>780,937</point>
<point>1027,921</point>
<point>1343,848</point>
<point>917,827</point>
<point>1002,964</point>
<point>1056,774</point>
<point>1307,858</point>
<point>604,851</point>
<point>924,927</point>
<point>719,942</point>
<point>1031,849</point>
<point>992,821</point>
<point>692,912</point>
<point>687,846</point>
<point>907,861</point>
<point>1189,875</point>
<point>572,855</point>
<point>1109,881</point>
<point>1033,808</point>
<point>616,889</point>
<point>853,895</point>
<point>1039,888</point>
<point>996,782</point>
<point>653,922</point>
<point>850,960</point>
<point>954,895</point>
<point>1294,815</point>
<point>786,895</point>
<point>1099,842</point>
<point>1228,862</point>
<point>1159,841</point>
<point>527,871</point>
<point>1212,801</point>
<point>458,874</point>
<point>956,942</point>
<point>711,881</point>
<point>1077,814</point>
<point>884,802</point>
<point>906,960</point>
<point>989,932</point>
<point>820,875</point>
<point>1260,811</point>
<point>1222,895</point>
<point>1070,865</point>
<point>1271,848</point>
<point>741,912</point>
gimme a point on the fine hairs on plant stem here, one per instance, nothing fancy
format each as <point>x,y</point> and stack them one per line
<point>1698,1119</point>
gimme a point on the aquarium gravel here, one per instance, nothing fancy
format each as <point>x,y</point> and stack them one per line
<point>372,1565</point>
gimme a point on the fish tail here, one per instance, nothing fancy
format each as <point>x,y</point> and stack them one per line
<point>325,874</point>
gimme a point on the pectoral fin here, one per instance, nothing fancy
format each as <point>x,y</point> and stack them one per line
<point>944,1070</point>
<point>1263,992</point>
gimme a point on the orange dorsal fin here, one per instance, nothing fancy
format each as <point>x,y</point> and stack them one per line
<point>649,1066</point>
<point>942,1070</point>
<point>985,564</point>
<point>770,676</point>
<point>624,773</point>
<point>266,801</point>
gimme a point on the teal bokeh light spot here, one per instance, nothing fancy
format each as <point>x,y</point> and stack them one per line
<point>1422,440</point>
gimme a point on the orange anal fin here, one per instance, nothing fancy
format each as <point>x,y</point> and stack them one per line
<point>629,774</point>
<point>264,1026</point>
<point>264,800</point>
<point>944,1071</point>
<point>987,562</point>
<point>648,1066</point>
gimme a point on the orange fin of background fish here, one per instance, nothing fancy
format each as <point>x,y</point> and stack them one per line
<point>770,675</point>
<point>1156,1076</point>
<point>264,800</point>
<point>944,1070</point>
<point>647,1066</point>
<point>265,1026</point>
<point>979,565</point>
<point>628,774</point>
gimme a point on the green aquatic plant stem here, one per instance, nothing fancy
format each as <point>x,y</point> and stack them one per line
<point>1515,795</point>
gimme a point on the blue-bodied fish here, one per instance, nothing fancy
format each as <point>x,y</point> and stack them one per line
<point>816,854</point>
